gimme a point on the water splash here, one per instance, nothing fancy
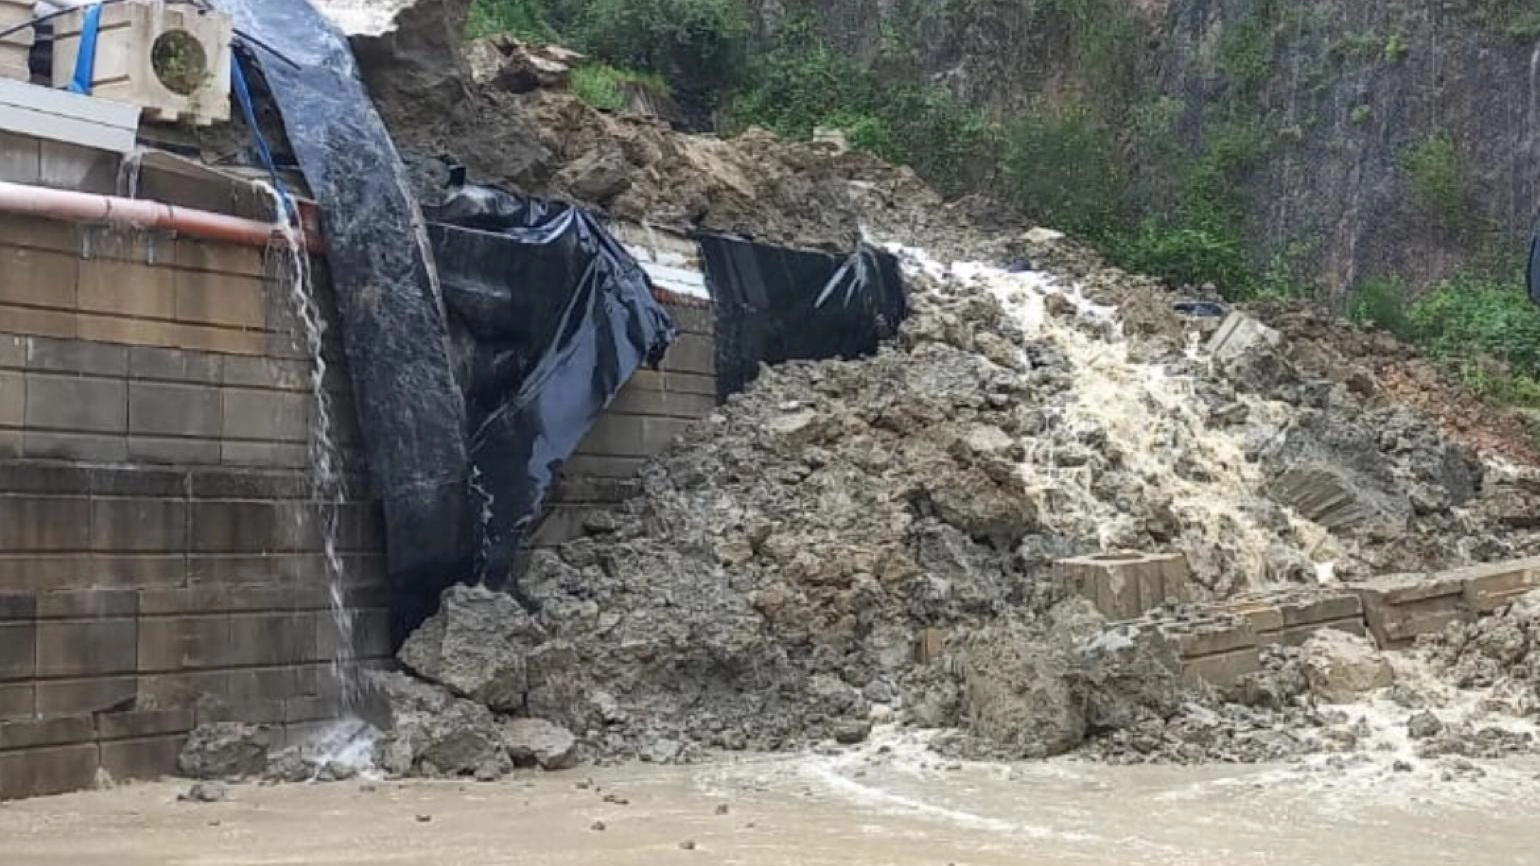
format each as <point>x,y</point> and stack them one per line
<point>327,493</point>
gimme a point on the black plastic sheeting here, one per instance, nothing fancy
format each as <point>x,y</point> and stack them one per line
<point>549,317</point>
<point>775,304</point>
<point>1532,273</point>
<point>410,410</point>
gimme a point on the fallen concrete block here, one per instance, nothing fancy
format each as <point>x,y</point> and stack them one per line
<point>1238,334</point>
<point>1125,585</point>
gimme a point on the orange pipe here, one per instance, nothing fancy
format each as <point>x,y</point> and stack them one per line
<point>63,204</point>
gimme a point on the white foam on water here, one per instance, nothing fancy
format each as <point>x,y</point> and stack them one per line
<point>362,17</point>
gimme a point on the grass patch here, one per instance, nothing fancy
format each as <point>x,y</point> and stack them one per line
<point>523,19</point>
<point>603,86</point>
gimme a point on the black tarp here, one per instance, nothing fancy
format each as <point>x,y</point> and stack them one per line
<point>1532,272</point>
<point>410,410</point>
<point>549,318</point>
<point>775,304</point>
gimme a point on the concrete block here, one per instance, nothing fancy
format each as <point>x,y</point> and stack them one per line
<point>152,758</point>
<point>133,724</point>
<point>1212,637</point>
<point>49,355</point>
<point>136,481</point>
<point>169,451</point>
<point>18,647</point>
<point>238,527</point>
<point>175,410</point>
<point>281,373</point>
<point>271,638</point>
<point>1222,670</point>
<point>264,685</point>
<point>53,731</point>
<point>10,443</point>
<point>149,525</point>
<point>691,353</point>
<point>96,695</point>
<point>161,601</point>
<point>202,255</point>
<point>632,435</point>
<point>247,484</point>
<point>1297,635</point>
<point>184,642</point>
<point>270,415</point>
<point>72,166</point>
<point>150,362</point>
<point>86,648</point>
<point>1239,334</point>
<point>127,289</point>
<point>266,455</point>
<point>371,633</point>
<point>929,646</point>
<point>40,772</point>
<point>88,603</point>
<point>18,700</point>
<point>139,570</point>
<point>17,606</point>
<point>37,278</point>
<point>76,403</point>
<point>312,709</point>
<point>208,298</point>
<point>148,332</point>
<point>1324,608</point>
<point>40,523</point>
<point>39,322</point>
<point>20,155</point>
<point>91,447</point>
<point>1489,586</point>
<point>1125,585</point>
<point>13,398</point>
<point>1397,625</point>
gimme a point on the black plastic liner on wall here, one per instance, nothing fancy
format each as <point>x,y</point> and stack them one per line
<point>410,409</point>
<point>549,318</point>
<point>775,304</point>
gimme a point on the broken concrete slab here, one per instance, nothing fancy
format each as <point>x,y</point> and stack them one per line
<point>1125,585</point>
<point>1238,334</point>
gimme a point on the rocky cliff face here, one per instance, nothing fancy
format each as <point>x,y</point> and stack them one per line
<point>1400,137</point>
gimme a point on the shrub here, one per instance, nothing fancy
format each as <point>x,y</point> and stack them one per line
<point>1469,316</point>
<point>1438,179</point>
<point>1381,302</point>
<point>1059,168</point>
<point>699,41</point>
<point>1189,254</point>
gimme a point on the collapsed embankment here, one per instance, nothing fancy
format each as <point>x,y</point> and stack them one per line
<point>769,588</point>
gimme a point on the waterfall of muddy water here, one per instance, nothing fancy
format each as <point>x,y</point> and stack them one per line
<point>1147,419</point>
<point>326,486</point>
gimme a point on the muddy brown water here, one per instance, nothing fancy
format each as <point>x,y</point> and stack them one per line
<point>897,807</point>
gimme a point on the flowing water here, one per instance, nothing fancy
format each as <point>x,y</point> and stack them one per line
<point>326,483</point>
<point>1148,415</point>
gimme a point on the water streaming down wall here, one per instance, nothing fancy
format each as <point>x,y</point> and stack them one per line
<point>326,487</point>
<point>1145,419</point>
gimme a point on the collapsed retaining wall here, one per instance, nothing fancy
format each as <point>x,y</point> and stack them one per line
<point>159,563</point>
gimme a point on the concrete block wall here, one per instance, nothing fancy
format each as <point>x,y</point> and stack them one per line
<point>644,418</point>
<point>161,560</point>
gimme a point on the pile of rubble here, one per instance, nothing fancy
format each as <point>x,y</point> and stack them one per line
<point>870,541</point>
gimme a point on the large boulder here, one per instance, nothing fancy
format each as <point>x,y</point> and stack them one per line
<point>430,732</point>
<point>224,750</point>
<point>1340,666</point>
<point>476,646</point>
<point>537,741</point>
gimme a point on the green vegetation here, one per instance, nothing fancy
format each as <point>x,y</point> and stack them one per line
<point>1481,326</point>
<point>1395,48</point>
<point>603,86</point>
<point>524,19</point>
<point>1438,179</point>
<point>1361,115</point>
